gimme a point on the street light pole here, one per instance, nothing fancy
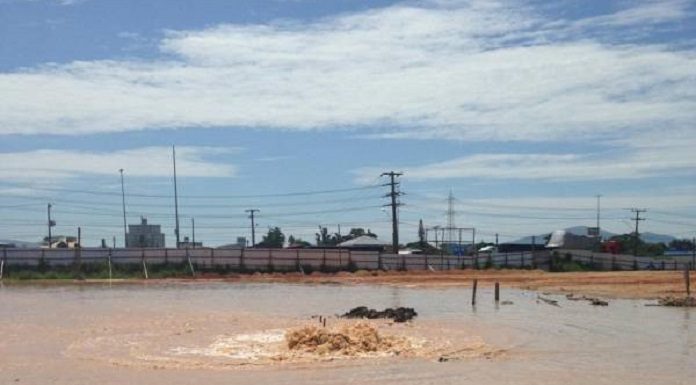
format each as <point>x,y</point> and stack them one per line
<point>123,201</point>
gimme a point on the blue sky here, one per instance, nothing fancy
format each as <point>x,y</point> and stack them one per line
<point>525,110</point>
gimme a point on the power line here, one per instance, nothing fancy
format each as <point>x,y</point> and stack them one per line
<point>226,196</point>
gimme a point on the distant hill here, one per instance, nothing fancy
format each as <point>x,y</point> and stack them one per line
<point>582,230</point>
<point>21,244</point>
<point>656,238</point>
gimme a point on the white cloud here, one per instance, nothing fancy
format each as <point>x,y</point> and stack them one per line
<point>662,157</point>
<point>646,12</point>
<point>43,165</point>
<point>434,70</point>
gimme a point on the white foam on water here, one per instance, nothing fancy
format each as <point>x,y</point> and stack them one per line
<point>252,346</point>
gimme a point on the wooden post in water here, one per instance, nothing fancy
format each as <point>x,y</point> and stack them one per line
<point>497,292</point>
<point>687,281</point>
<point>473,293</point>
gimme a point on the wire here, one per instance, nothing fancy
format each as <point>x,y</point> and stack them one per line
<point>118,194</point>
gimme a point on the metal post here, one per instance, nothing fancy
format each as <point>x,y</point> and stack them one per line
<point>109,262</point>
<point>123,202</point>
<point>144,264</point>
<point>193,232</point>
<point>50,224</point>
<point>176,200</point>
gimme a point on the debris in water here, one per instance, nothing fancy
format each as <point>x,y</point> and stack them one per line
<point>399,314</point>
<point>598,302</point>
<point>349,340</point>
<point>678,301</point>
<point>594,301</point>
<point>506,302</point>
<point>551,302</point>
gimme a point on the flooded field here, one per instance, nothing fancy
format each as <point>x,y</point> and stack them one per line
<point>221,333</point>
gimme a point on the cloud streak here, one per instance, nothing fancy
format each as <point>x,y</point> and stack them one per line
<point>44,165</point>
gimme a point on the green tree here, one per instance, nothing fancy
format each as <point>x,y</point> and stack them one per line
<point>626,243</point>
<point>274,239</point>
<point>681,244</point>
<point>359,232</point>
<point>325,239</point>
<point>297,242</point>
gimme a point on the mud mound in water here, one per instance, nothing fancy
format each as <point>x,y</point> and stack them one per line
<point>398,314</point>
<point>678,301</point>
<point>349,340</point>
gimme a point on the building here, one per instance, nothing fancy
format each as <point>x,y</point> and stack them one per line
<point>188,244</point>
<point>561,239</point>
<point>240,244</point>
<point>144,235</point>
<point>364,242</point>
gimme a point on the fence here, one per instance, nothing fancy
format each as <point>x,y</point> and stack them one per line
<point>606,261</point>
<point>264,259</point>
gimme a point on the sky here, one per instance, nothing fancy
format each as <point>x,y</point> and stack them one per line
<point>524,110</point>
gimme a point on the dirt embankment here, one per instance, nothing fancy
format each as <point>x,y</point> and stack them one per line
<point>619,284</point>
<point>616,284</point>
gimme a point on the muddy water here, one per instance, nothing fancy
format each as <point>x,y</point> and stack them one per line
<point>221,333</point>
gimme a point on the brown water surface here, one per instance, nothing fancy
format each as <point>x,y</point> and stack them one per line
<point>222,333</point>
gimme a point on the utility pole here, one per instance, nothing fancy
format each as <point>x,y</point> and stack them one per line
<point>50,224</point>
<point>496,241</point>
<point>693,253</point>
<point>635,235</point>
<point>394,205</point>
<point>176,199</point>
<point>123,201</point>
<point>599,231</point>
<point>193,232</point>
<point>253,226</point>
